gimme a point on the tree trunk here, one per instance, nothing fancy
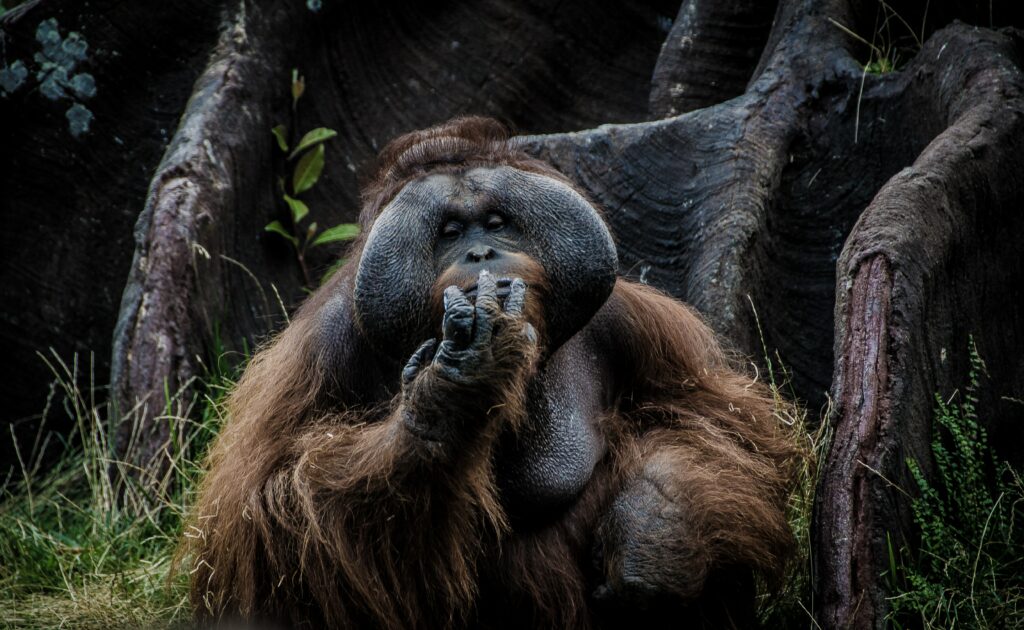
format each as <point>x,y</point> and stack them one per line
<point>68,203</point>
<point>860,225</point>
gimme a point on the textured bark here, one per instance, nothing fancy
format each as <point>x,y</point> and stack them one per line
<point>872,222</point>
<point>934,258</point>
<point>68,204</point>
<point>710,54</point>
<point>912,181</point>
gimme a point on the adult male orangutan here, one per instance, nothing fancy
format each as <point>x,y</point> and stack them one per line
<point>476,423</point>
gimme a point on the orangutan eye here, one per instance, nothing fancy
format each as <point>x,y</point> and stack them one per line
<point>495,222</point>
<point>451,229</point>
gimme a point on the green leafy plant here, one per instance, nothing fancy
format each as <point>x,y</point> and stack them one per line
<point>969,569</point>
<point>307,156</point>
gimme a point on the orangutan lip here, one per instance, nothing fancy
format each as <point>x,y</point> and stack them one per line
<point>504,285</point>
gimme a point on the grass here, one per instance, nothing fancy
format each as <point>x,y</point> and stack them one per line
<point>893,39</point>
<point>889,48</point>
<point>968,570</point>
<point>74,556</point>
<point>89,543</point>
<point>792,604</point>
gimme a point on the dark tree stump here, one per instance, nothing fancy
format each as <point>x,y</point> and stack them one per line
<point>872,222</point>
<point>756,198</point>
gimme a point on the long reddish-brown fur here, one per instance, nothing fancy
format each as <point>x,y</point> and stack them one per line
<point>323,511</point>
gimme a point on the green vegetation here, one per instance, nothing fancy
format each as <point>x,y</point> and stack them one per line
<point>308,156</point>
<point>791,604</point>
<point>89,541</point>
<point>54,68</point>
<point>968,571</point>
<point>893,40</point>
<point>90,544</point>
<point>72,555</point>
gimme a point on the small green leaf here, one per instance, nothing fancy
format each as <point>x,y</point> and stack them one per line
<point>343,232</point>
<point>281,133</point>
<point>299,209</point>
<point>315,136</point>
<point>277,228</point>
<point>311,231</point>
<point>308,170</point>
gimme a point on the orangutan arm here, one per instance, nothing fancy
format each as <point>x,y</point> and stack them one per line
<point>707,464</point>
<point>336,508</point>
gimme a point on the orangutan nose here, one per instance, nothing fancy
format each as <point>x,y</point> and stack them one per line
<point>480,253</point>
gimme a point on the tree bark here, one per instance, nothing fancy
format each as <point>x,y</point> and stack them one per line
<point>68,203</point>
<point>889,201</point>
<point>861,226</point>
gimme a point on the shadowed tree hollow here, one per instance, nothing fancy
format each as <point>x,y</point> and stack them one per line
<point>838,182</point>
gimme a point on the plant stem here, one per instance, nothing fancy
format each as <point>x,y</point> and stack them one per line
<point>301,254</point>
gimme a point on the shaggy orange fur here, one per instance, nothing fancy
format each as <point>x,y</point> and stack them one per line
<point>321,509</point>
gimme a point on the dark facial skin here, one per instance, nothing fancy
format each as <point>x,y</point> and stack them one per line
<point>442,229</point>
<point>513,227</point>
<point>475,238</point>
